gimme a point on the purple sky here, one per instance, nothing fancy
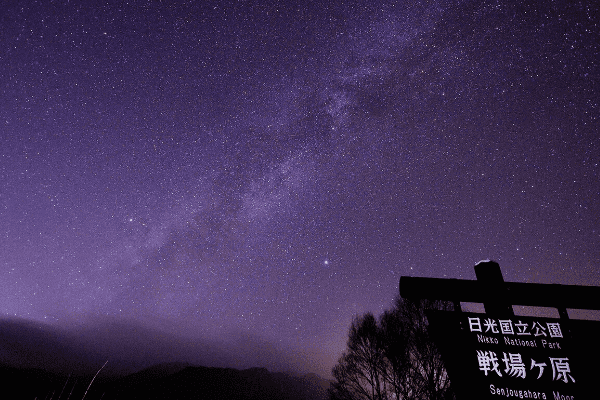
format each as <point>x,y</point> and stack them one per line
<point>226,170</point>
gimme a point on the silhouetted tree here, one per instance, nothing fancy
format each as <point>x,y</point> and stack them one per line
<point>359,373</point>
<point>393,358</point>
<point>424,368</point>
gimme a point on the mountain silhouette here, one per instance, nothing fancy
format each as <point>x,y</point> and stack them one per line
<point>166,381</point>
<point>219,383</point>
<point>41,361</point>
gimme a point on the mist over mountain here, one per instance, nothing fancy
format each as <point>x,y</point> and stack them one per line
<point>39,360</point>
<point>166,381</point>
<point>130,346</point>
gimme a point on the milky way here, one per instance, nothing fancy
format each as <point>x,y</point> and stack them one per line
<point>268,170</point>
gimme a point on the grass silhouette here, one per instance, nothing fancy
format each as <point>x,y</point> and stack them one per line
<point>73,388</point>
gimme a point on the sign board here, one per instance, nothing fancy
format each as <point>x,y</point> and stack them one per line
<point>502,355</point>
<point>491,357</point>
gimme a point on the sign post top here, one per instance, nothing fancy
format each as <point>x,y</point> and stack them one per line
<point>498,295</point>
<point>489,274</point>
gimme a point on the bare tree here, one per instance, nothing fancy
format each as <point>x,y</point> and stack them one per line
<point>426,373</point>
<point>359,372</point>
<point>395,335</point>
<point>393,358</point>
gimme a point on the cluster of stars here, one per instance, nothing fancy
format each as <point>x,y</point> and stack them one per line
<point>272,169</point>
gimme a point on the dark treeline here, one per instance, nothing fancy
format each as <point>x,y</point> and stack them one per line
<point>165,381</point>
<point>392,357</point>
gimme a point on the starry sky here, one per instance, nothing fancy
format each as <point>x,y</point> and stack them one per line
<point>262,171</point>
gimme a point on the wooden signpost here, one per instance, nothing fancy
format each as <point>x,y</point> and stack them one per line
<point>501,355</point>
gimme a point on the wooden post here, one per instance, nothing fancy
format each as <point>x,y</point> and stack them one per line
<point>490,276</point>
<point>497,295</point>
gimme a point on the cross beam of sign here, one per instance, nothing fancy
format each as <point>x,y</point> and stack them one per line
<point>498,296</point>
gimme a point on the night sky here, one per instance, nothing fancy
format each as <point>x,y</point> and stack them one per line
<point>249,172</point>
